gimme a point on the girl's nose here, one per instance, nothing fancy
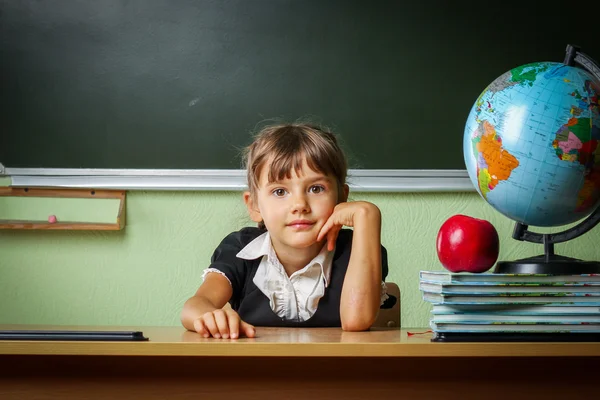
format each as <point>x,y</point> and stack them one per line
<point>300,204</point>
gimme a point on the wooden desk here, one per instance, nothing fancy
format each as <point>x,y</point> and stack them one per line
<point>318,363</point>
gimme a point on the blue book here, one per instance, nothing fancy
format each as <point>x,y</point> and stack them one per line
<point>555,299</point>
<point>481,318</point>
<point>495,279</point>
<point>572,289</point>
<point>515,328</point>
<point>515,309</point>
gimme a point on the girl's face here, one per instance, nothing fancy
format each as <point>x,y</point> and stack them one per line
<point>294,210</point>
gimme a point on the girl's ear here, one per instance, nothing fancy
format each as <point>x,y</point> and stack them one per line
<point>253,210</point>
<point>344,193</point>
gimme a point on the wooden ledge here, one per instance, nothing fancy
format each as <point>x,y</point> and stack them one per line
<point>118,224</point>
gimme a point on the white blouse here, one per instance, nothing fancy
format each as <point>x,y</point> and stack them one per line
<point>295,297</point>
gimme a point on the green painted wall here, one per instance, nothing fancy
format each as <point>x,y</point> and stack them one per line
<point>143,274</point>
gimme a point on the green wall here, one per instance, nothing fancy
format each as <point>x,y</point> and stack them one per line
<point>143,274</point>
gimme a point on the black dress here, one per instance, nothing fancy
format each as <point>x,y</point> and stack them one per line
<point>253,306</point>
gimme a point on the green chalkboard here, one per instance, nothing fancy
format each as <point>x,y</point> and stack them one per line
<point>164,84</point>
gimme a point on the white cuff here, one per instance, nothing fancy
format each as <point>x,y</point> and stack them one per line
<point>207,270</point>
<point>384,296</point>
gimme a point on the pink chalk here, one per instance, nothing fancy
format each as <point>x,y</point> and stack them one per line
<point>52,219</point>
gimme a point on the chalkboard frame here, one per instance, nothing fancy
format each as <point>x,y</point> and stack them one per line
<point>228,179</point>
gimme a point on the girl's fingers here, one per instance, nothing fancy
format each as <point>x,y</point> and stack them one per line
<point>342,215</point>
<point>201,328</point>
<point>233,319</point>
<point>332,237</point>
<point>323,232</point>
<point>248,329</point>
<point>211,325</point>
<point>328,225</point>
<point>222,324</point>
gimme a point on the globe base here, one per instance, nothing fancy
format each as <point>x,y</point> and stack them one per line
<point>544,264</point>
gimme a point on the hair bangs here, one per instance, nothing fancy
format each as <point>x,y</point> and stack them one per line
<point>284,148</point>
<point>292,150</point>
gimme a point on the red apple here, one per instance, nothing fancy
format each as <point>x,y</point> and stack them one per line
<point>467,244</point>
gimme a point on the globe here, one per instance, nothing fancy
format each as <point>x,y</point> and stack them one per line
<point>532,144</point>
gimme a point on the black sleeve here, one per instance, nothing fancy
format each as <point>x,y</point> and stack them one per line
<point>224,259</point>
<point>344,248</point>
<point>391,300</point>
<point>384,263</point>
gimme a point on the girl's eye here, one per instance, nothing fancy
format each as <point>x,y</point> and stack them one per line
<point>317,189</point>
<point>279,192</point>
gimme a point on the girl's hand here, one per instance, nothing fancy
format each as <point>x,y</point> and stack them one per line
<point>348,214</point>
<point>223,323</point>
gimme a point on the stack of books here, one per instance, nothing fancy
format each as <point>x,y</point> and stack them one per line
<point>512,303</point>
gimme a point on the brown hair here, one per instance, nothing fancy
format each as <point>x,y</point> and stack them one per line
<point>287,145</point>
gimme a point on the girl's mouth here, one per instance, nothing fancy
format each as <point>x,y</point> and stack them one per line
<point>300,224</point>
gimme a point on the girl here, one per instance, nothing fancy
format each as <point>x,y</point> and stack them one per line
<point>298,267</point>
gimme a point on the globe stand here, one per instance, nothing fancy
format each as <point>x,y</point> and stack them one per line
<point>550,263</point>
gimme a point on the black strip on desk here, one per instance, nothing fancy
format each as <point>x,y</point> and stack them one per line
<point>515,337</point>
<point>125,336</point>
